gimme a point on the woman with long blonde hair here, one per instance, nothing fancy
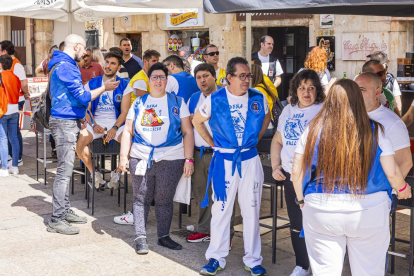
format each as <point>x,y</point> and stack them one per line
<point>343,173</point>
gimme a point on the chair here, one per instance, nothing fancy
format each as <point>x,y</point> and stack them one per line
<point>407,204</point>
<point>97,148</point>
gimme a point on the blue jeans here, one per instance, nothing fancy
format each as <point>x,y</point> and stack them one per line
<point>19,136</point>
<point>8,126</point>
<point>269,133</point>
<point>65,133</point>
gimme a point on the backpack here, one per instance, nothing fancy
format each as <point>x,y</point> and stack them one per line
<point>3,99</point>
<point>276,111</point>
<point>41,112</point>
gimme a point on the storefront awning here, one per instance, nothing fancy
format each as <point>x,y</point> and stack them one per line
<point>397,8</point>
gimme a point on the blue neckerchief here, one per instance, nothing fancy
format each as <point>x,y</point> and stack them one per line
<point>192,102</point>
<point>224,136</point>
<point>174,136</point>
<point>117,94</point>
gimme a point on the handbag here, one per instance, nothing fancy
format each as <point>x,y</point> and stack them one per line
<point>276,111</point>
<point>183,191</point>
<point>41,112</point>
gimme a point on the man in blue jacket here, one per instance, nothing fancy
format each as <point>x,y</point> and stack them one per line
<point>69,103</point>
<point>108,111</point>
<point>179,81</point>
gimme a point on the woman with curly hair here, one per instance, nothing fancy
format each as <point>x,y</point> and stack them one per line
<point>306,101</point>
<point>317,60</point>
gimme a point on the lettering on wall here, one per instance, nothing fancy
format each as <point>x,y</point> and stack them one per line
<point>356,46</point>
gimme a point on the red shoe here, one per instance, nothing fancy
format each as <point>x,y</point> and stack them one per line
<point>198,237</point>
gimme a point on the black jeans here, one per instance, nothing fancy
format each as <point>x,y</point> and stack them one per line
<point>296,223</point>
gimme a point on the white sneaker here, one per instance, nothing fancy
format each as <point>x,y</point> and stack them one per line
<point>299,271</point>
<point>13,170</point>
<point>99,179</point>
<point>9,164</point>
<point>4,173</point>
<point>126,219</point>
<point>114,182</point>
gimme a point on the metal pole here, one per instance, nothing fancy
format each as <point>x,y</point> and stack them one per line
<point>249,37</point>
<point>69,13</point>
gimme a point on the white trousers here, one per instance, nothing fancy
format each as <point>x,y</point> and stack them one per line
<point>249,188</point>
<point>365,234</point>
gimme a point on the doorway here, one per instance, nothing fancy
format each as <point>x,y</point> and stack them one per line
<point>291,44</point>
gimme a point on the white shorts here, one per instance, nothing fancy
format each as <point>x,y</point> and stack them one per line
<point>108,127</point>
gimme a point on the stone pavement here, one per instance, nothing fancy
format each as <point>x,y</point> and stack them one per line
<point>105,248</point>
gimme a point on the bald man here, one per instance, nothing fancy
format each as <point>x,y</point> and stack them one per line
<point>270,64</point>
<point>395,129</point>
<point>69,103</point>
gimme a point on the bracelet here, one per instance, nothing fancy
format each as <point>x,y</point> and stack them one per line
<point>189,160</point>
<point>403,188</point>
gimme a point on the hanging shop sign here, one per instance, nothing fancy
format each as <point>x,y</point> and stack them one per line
<point>356,46</point>
<point>271,16</point>
<point>326,21</point>
<point>187,19</point>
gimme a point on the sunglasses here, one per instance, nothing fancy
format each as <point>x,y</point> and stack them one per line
<point>382,73</point>
<point>212,54</point>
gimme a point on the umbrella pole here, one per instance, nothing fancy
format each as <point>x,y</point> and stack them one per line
<point>249,37</point>
<point>69,13</point>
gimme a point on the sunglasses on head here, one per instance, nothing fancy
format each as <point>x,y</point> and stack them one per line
<point>212,54</point>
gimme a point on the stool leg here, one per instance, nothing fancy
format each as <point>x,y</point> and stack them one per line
<point>93,184</point>
<point>272,197</point>
<point>125,187</point>
<point>37,156</point>
<point>189,209</point>
<point>274,226</point>
<point>180,214</point>
<point>44,155</point>
<point>87,184</point>
<point>83,176</point>
<point>281,196</point>
<point>411,241</point>
<point>88,192</point>
<point>393,219</point>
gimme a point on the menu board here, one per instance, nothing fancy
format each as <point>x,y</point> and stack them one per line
<point>36,88</point>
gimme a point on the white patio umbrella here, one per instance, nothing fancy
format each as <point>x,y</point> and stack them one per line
<point>87,10</point>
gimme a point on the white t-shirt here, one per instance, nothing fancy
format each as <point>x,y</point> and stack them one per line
<point>394,127</point>
<point>140,84</point>
<point>194,65</point>
<point>265,65</point>
<point>21,74</point>
<point>347,202</point>
<point>292,123</point>
<point>152,124</point>
<point>172,85</point>
<point>396,89</point>
<point>105,110</point>
<point>238,109</point>
<point>198,140</point>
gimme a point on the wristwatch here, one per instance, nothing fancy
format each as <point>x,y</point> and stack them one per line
<point>299,202</point>
<point>115,127</point>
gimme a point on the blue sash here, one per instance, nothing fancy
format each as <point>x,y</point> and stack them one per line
<point>117,94</point>
<point>224,136</point>
<point>192,102</point>
<point>202,149</point>
<point>174,136</point>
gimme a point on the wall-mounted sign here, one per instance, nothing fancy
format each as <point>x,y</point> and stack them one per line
<point>328,42</point>
<point>271,16</point>
<point>187,19</point>
<point>356,46</point>
<point>326,21</point>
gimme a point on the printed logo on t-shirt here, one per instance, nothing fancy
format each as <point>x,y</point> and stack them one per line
<point>118,98</point>
<point>255,107</point>
<point>294,128</point>
<point>175,111</point>
<point>204,109</point>
<point>150,118</point>
<point>270,73</point>
<point>239,121</point>
<point>105,103</point>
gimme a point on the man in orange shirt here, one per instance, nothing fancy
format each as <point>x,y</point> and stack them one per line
<point>10,84</point>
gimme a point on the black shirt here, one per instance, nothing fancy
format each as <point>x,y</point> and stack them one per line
<point>132,66</point>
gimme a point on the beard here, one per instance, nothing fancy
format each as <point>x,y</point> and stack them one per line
<point>77,58</point>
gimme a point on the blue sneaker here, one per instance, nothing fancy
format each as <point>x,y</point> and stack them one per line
<point>258,270</point>
<point>211,268</point>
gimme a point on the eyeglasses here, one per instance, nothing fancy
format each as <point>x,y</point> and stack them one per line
<point>212,54</point>
<point>156,77</point>
<point>382,73</point>
<point>243,76</point>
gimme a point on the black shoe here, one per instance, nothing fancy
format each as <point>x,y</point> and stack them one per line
<point>141,246</point>
<point>169,243</point>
